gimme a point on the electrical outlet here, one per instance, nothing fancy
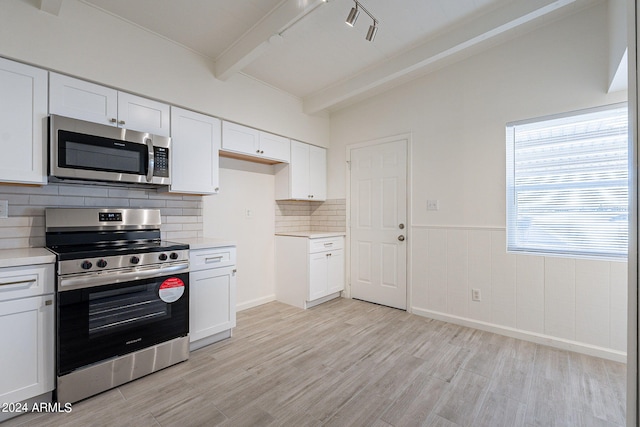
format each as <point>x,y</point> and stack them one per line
<point>4,209</point>
<point>433,205</point>
<point>475,295</point>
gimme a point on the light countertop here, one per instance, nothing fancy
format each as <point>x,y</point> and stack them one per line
<point>312,234</point>
<point>205,242</point>
<point>25,256</point>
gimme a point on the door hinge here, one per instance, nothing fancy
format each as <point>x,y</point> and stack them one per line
<point>349,164</point>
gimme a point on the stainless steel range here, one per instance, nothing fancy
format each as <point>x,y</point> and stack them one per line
<point>122,298</point>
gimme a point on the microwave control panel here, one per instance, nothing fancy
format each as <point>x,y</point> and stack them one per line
<point>161,156</point>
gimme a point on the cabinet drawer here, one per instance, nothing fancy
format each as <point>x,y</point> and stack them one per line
<point>27,281</point>
<point>326,244</point>
<point>202,259</point>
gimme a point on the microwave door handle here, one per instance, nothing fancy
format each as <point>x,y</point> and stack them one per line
<point>152,160</point>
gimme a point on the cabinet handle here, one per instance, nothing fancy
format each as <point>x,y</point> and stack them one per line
<point>328,244</point>
<point>258,151</point>
<point>112,120</point>
<point>261,151</point>
<point>214,258</point>
<point>216,189</point>
<point>121,122</point>
<point>18,282</point>
<point>48,302</point>
<point>234,271</point>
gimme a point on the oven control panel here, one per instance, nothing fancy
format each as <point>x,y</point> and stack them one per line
<point>104,264</point>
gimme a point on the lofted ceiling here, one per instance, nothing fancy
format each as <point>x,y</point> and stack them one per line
<point>304,47</point>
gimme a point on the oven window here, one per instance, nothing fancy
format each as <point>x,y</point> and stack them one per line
<point>126,307</point>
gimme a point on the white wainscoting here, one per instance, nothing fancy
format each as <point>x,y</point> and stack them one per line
<point>574,304</point>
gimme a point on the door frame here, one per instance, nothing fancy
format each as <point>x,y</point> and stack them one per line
<point>369,143</point>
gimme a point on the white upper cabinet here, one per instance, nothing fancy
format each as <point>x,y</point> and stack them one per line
<point>317,172</point>
<point>142,114</point>
<point>305,177</point>
<point>275,147</point>
<point>23,118</point>
<point>83,100</point>
<point>251,143</point>
<point>194,153</point>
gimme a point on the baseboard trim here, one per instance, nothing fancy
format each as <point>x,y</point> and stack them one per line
<point>255,302</point>
<point>560,343</point>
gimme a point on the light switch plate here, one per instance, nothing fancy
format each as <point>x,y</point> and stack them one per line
<point>433,205</point>
<point>4,209</point>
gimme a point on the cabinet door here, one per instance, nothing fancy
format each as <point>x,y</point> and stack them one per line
<point>26,328</point>
<point>299,172</point>
<point>194,152</point>
<point>275,147</point>
<point>23,114</point>
<point>142,114</point>
<point>318,275</point>
<point>82,100</point>
<point>317,173</point>
<point>240,139</point>
<point>335,279</point>
<point>212,296</point>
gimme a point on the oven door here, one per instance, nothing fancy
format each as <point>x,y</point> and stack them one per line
<point>102,322</point>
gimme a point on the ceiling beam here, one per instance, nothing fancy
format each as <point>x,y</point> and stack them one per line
<point>415,61</point>
<point>257,40</point>
<point>51,6</point>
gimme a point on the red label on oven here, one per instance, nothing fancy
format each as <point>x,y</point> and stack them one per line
<point>171,289</point>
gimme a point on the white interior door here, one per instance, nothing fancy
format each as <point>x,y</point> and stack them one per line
<point>378,220</point>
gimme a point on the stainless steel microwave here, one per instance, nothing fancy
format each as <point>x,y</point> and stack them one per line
<point>80,150</point>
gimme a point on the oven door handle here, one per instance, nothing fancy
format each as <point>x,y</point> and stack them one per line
<point>84,280</point>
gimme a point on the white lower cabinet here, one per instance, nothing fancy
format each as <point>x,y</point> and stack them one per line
<point>212,295</point>
<point>27,331</point>
<point>309,271</point>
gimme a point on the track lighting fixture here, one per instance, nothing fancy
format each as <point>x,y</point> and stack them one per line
<point>373,29</point>
<point>353,15</point>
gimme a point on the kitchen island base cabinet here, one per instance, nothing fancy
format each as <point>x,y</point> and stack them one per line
<point>212,294</point>
<point>309,271</point>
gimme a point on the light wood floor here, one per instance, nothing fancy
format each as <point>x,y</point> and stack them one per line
<point>350,363</point>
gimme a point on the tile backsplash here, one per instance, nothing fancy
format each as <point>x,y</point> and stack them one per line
<point>329,215</point>
<point>181,214</point>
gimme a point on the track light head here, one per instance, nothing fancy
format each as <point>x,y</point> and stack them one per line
<point>353,15</point>
<point>373,29</point>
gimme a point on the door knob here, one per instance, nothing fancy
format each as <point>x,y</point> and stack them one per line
<point>401,238</point>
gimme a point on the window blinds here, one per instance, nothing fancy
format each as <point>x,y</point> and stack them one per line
<point>567,184</point>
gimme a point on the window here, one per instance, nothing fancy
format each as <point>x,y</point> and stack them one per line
<point>567,184</point>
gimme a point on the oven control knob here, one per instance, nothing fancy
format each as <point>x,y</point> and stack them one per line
<point>86,265</point>
<point>163,257</point>
<point>134,260</point>
<point>101,263</point>
<point>173,255</point>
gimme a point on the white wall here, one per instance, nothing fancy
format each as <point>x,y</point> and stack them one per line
<point>86,43</point>
<point>246,187</point>
<point>456,117</point>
